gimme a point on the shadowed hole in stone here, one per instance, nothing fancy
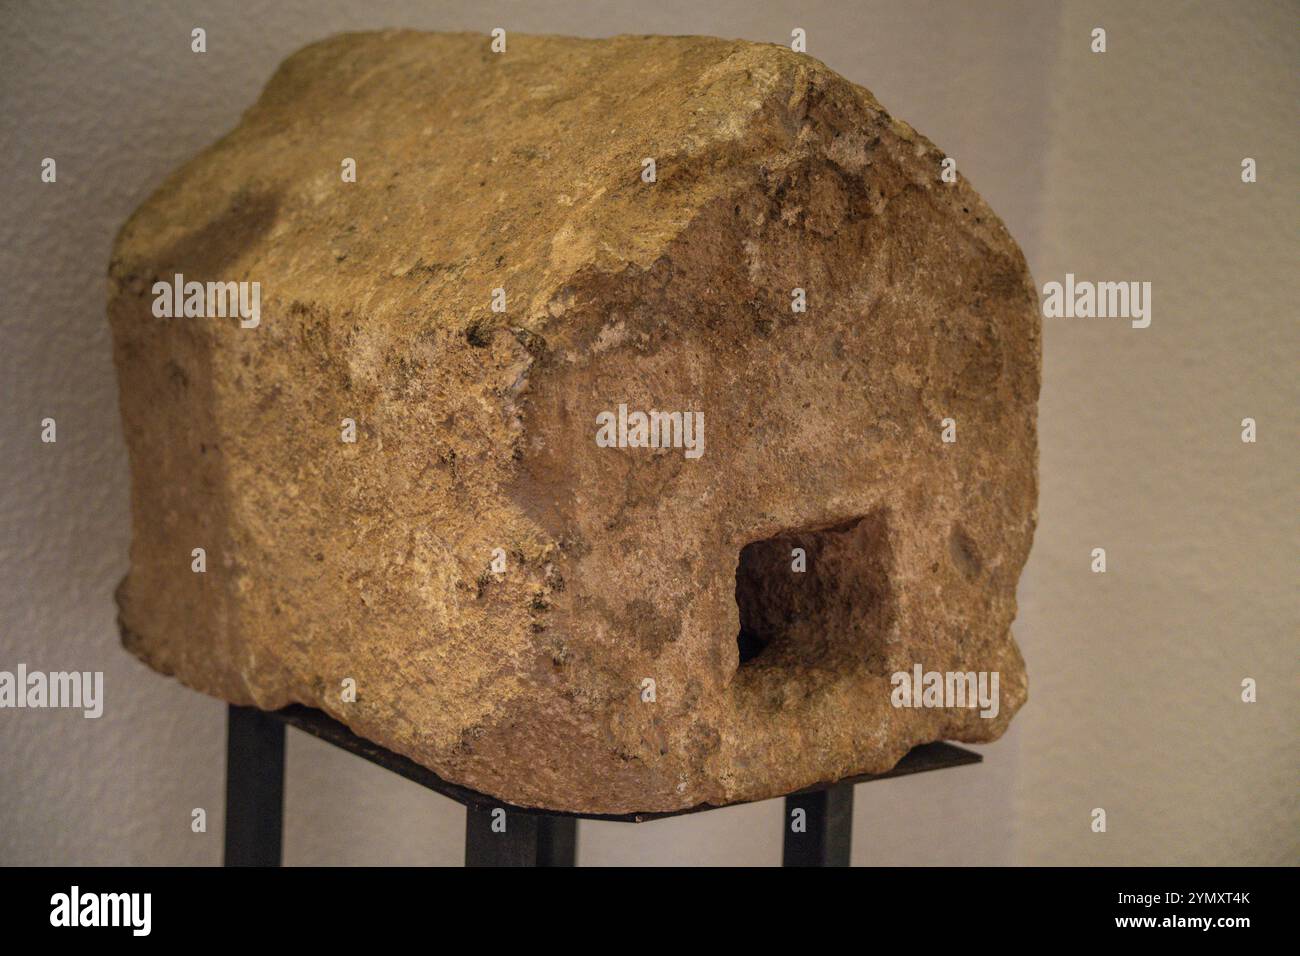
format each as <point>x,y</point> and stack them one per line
<point>833,616</point>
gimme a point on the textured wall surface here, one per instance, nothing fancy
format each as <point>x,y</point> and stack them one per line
<point>1115,166</point>
<point>1135,674</point>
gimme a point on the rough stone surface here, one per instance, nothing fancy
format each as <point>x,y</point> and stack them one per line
<point>476,429</point>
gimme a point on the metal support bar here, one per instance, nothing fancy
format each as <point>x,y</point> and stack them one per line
<point>557,841</point>
<point>818,822</point>
<point>254,787</point>
<point>819,827</point>
<point>497,837</point>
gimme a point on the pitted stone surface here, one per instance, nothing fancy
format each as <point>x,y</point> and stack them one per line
<point>371,561</point>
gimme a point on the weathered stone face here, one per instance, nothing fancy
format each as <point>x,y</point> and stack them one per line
<point>477,430</point>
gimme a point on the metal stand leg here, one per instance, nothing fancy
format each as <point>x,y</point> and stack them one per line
<point>557,841</point>
<point>494,837</point>
<point>254,788</point>
<point>819,827</point>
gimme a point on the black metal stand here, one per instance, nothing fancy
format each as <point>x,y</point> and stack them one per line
<point>496,837</point>
<point>254,787</point>
<point>819,827</point>
<point>818,820</point>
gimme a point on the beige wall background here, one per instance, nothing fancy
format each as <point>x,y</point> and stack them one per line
<point>1119,166</point>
